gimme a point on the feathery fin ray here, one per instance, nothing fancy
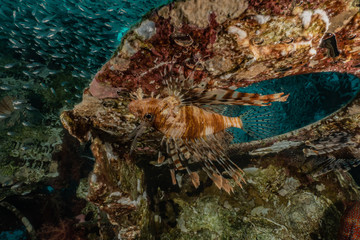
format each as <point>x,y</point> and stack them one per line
<point>198,96</point>
<point>260,123</point>
<point>215,158</point>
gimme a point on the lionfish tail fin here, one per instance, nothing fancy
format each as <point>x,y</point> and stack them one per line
<point>231,97</point>
<point>260,123</point>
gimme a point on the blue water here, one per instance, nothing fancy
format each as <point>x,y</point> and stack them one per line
<point>312,97</point>
<point>50,50</point>
<point>78,36</point>
<point>19,234</point>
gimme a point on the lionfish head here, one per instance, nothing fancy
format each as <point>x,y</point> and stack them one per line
<point>144,108</point>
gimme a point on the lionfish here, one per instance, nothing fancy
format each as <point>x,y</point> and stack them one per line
<point>193,132</point>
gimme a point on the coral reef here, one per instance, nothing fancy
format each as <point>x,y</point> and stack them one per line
<point>286,196</point>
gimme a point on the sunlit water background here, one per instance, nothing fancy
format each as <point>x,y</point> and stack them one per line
<point>311,98</point>
<point>50,50</point>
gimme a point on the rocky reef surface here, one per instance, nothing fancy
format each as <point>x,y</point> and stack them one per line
<point>238,43</point>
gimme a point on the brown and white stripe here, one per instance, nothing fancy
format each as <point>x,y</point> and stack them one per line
<point>194,122</point>
<point>230,97</point>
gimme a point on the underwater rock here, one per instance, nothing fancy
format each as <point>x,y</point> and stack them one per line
<point>286,196</point>
<point>146,30</point>
<point>198,12</point>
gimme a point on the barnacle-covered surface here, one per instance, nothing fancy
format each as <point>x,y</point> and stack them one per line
<point>28,137</point>
<point>286,196</point>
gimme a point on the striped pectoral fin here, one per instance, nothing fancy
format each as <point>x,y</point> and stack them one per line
<point>194,178</point>
<point>161,158</point>
<point>239,178</point>
<point>210,153</point>
<point>231,97</point>
<point>179,158</point>
<point>173,177</point>
<point>222,183</point>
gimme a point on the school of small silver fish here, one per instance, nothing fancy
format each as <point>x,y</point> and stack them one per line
<point>74,35</point>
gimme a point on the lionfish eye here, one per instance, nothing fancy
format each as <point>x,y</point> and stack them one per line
<point>148,116</point>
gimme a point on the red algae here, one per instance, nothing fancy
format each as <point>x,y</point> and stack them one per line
<point>147,64</point>
<point>350,223</point>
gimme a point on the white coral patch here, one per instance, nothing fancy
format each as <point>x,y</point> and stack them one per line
<point>312,51</point>
<point>239,32</point>
<point>138,187</point>
<point>93,178</point>
<point>127,201</point>
<point>261,19</point>
<point>117,194</point>
<point>146,30</point>
<point>306,18</point>
<point>323,17</point>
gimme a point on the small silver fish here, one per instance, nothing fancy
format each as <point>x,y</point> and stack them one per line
<point>33,65</point>
<point>27,73</point>
<point>26,86</point>
<point>36,72</point>
<point>9,65</point>
<point>3,116</point>
<point>5,88</point>
<point>51,34</point>
<point>18,102</point>
<point>24,148</point>
<point>31,108</point>
<point>48,19</point>
<point>26,124</point>
<point>53,91</point>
